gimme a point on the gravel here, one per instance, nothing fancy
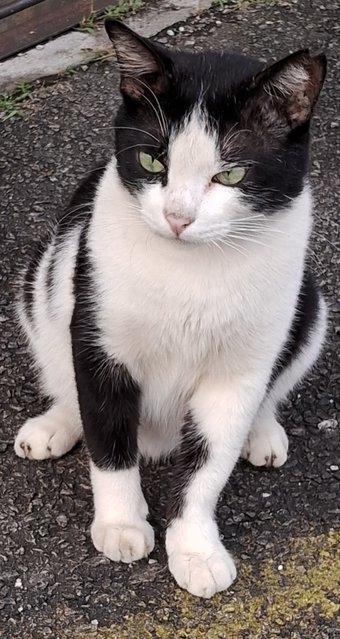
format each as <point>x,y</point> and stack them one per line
<point>52,581</point>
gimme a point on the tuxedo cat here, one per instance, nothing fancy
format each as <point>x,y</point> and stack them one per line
<point>172,307</point>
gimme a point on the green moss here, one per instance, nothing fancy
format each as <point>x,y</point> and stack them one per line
<point>263,600</point>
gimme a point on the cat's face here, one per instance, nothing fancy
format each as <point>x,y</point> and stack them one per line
<point>211,144</point>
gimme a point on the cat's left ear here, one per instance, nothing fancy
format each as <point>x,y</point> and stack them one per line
<point>141,66</point>
<point>284,94</point>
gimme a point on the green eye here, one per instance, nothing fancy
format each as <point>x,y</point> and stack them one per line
<point>231,177</point>
<point>150,164</point>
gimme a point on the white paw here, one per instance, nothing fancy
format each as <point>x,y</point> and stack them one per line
<point>122,542</point>
<point>203,575</point>
<point>49,435</point>
<point>267,445</point>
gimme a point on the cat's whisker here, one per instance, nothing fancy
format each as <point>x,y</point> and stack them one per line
<point>133,207</point>
<point>249,218</point>
<point>160,122</point>
<point>126,204</point>
<point>257,226</point>
<point>161,112</point>
<point>128,216</point>
<point>267,230</point>
<point>257,218</point>
<point>325,239</point>
<point>79,210</point>
<point>214,243</point>
<point>248,239</point>
<point>230,134</point>
<point>134,146</point>
<point>227,142</point>
<point>117,223</point>
<point>233,246</point>
<point>130,128</point>
<point>156,109</point>
<point>316,260</point>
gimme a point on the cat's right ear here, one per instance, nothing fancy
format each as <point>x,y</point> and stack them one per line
<point>141,67</point>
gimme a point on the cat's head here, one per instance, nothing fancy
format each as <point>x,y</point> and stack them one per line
<point>210,143</point>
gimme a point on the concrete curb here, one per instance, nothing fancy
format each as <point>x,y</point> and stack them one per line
<point>75,48</point>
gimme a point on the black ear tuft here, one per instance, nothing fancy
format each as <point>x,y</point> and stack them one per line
<point>140,62</point>
<point>285,93</point>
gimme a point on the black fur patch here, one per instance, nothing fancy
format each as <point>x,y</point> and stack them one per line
<point>76,214</point>
<point>80,204</point>
<point>192,454</point>
<point>305,318</point>
<point>109,399</point>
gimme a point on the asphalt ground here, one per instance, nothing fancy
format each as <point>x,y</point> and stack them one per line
<point>281,525</point>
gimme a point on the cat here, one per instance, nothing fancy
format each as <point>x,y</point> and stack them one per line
<point>172,308</point>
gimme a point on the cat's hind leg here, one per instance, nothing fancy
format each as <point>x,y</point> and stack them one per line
<point>49,435</point>
<point>45,307</point>
<point>267,442</point>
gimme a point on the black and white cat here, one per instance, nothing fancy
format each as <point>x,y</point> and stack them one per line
<point>172,307</point>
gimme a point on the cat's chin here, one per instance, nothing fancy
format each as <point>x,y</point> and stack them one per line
<point>179,241</point>
<point>187,242</point>
<point>182,240</point>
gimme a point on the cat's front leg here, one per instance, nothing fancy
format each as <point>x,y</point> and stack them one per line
<point>220,416</point>
<point>120,529</point>
<point>109,405</point>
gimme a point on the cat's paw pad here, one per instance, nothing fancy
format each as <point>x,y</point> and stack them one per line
<point>203,575</point>
<point>122,542</point>
<point>266,446</point>
<point>44,437</point>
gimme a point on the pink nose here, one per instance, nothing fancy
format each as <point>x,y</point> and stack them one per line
<point>178,224</point>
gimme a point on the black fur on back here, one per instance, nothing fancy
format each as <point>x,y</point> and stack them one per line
<point>304,321</point>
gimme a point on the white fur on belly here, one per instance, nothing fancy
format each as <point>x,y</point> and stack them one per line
<point>171,311</point>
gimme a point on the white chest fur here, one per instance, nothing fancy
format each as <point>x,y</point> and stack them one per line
<point>171,311</point>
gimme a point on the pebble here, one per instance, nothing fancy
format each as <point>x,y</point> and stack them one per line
<point>18,583</point>
<point>152,561</point>
<point>94,624</point>
<point>170,32</point>
<point>62,521</point>
<point>298,432</point>
<point>328,424</point>
<point>181,29</point>
<point>265,495</point>
<point>280,567</point>
<point>334,467</point>
<point>228,608</point>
